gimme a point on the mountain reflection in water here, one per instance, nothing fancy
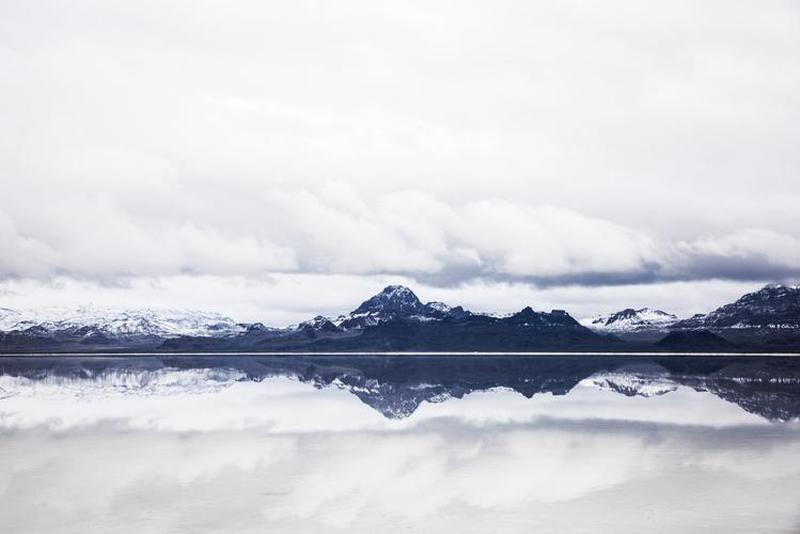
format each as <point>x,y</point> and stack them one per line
<point>395,386</point>
<point>421,444</point>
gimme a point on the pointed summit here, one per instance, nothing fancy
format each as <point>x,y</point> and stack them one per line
<point>395,300</point>
<point>526,313</point>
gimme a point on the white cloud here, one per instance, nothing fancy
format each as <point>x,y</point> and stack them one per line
<point>536,144</point>
<point>339,231</point>
<point>766,246</point>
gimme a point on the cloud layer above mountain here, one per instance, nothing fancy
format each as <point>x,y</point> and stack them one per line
<point>446,143</point>
<point>408,233</point>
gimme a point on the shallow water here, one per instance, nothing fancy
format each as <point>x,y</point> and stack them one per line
<point>400,444</point>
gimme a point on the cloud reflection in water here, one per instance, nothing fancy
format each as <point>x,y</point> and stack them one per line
<point>282,455</point>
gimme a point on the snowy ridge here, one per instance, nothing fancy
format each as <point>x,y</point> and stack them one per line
<point>631,320</point>
<point>121,323</point>
<point>497,315</point>
<point>774,306</point>
<point>440,307</point>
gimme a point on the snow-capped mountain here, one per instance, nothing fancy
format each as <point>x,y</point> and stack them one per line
<point>774,306</point>
<point>399,302</point>
<point>119,323</point>
<point>631,320</point>
<point>393,302</point>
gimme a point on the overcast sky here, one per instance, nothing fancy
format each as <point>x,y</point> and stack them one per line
<point>274,160</point>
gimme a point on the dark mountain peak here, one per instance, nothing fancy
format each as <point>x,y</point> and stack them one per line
<point>319,322</point>
<point>778,288</point>
<point>458,312</point>
<point>526,313</point>
<point>528,317</point>
<point>772,291</point>
<point>627,313</point>
<point>561,318</point>
<point>775,306</point>
<point>394,299</point>
<point>772,285</point>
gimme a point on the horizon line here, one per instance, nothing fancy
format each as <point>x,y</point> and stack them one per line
<point>393,353</point>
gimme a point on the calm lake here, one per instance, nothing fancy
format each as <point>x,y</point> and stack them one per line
<point>452,444</point>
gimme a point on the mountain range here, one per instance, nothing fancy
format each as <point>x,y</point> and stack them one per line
<point>396,320</point>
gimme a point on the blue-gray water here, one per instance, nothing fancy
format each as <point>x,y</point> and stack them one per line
<point>399,444</point>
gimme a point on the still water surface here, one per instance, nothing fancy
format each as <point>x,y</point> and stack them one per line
<point>399,444</point>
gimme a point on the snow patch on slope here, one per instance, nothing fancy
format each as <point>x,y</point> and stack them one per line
<point>121,322</point>
<point>630,320</point>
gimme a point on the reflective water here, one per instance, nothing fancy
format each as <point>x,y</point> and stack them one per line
<point>400,444</point>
